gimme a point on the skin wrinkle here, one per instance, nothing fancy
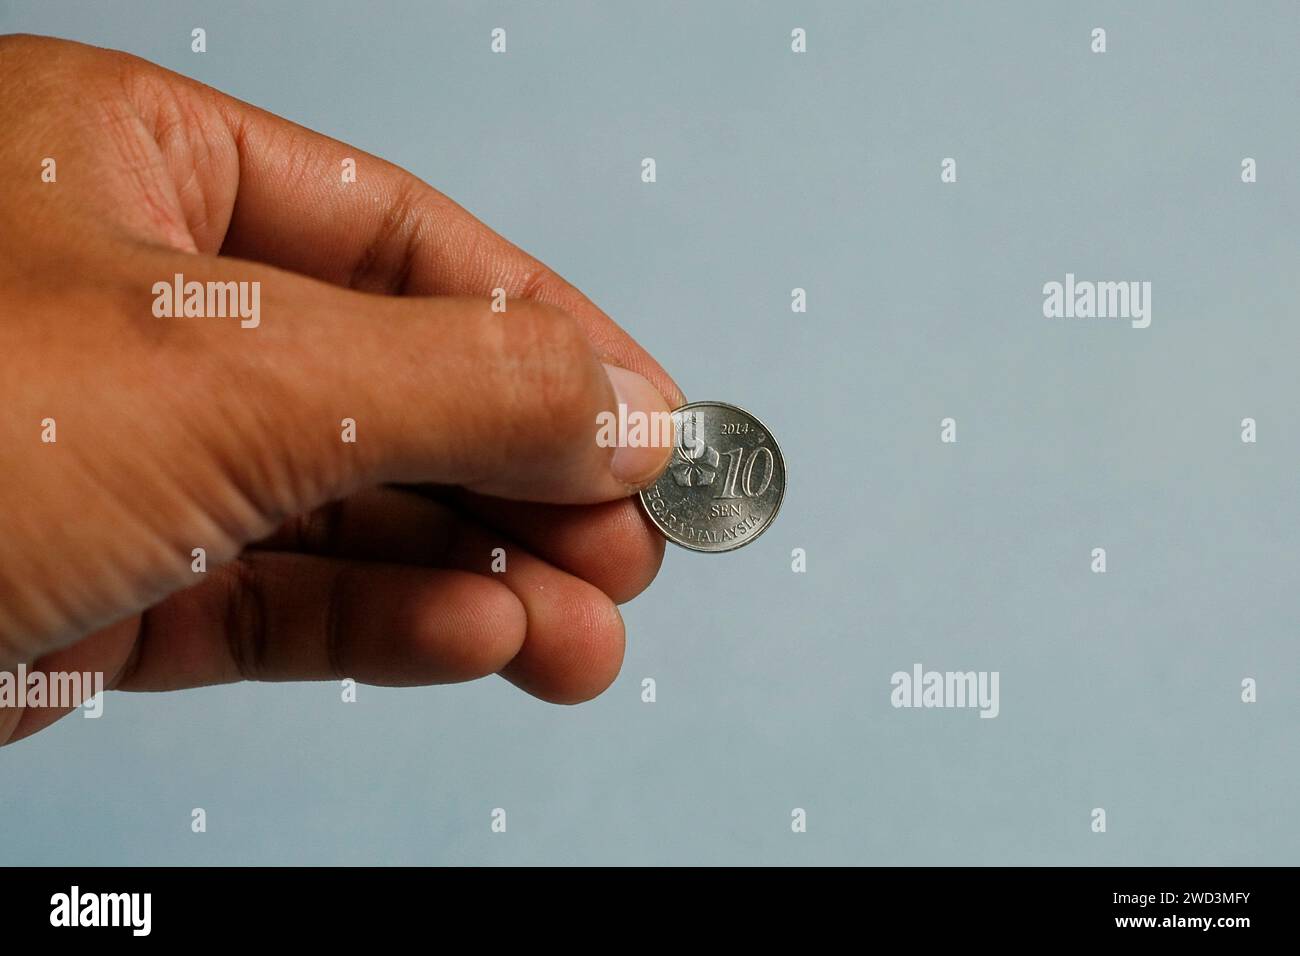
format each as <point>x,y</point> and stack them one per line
<point>198,150</point>
<point>175,113</point>
<point>232,522</point>
<point>142,156</point>
<point>534,283</point>
<point>411,247</point>
<point>145,539</point>
<point>397,224</point>
<point>246,620</point>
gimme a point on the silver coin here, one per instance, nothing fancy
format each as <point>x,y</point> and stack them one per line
<point>724,484</point>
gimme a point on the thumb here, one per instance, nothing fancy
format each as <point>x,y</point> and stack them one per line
<point>350,389</point>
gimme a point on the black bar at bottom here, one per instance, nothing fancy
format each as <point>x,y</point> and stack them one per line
<point>571,906</point>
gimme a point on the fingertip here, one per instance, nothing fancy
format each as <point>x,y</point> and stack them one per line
<point>583,664</point>
<point>466,627</point>
<point>630,556</point>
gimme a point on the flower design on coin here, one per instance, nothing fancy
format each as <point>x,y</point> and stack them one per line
<point>690,471</point>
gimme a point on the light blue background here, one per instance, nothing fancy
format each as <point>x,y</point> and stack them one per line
<point>820,171</point>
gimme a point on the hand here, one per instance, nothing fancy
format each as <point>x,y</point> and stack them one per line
<point>325,558</point>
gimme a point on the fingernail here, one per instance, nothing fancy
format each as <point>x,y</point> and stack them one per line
<point>644,438</point>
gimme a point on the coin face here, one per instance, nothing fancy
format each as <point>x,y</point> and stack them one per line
<point>725,481</point>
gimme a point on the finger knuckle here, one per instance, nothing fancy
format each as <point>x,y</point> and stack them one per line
<point>245,620</point>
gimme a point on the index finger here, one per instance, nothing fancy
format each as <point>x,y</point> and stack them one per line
<point>290,204</point>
